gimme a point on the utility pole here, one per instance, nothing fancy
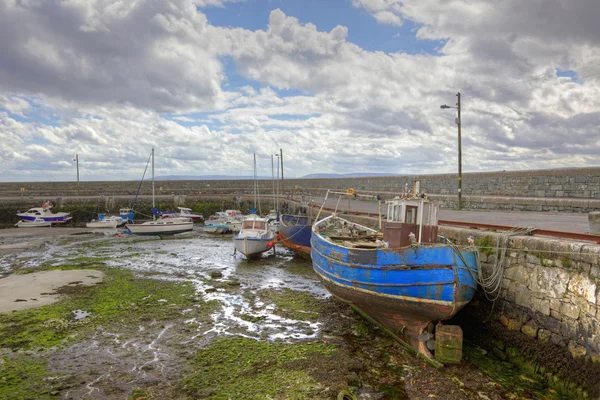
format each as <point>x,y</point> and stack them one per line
<point>77,163</point>
<point>458,122</point>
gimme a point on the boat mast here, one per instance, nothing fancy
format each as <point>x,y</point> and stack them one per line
<point>255,209</point>
<point>153,216</point>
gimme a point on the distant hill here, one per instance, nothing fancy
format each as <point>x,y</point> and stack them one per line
<point>351,175</point>
<point>205,177</point>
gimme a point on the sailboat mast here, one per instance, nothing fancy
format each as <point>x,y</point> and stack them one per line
<point>273,180</point>
<point>153,216</point>
<point>255,182</point>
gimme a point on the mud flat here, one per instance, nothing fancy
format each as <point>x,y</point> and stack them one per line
<point>36,289</point>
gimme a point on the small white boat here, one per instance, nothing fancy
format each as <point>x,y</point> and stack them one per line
<point>184,212</point>
<point>231,219</point>
<point>45,214</point>
<point>161,227</point>
<point>106,222</point>
<point>255,237</point>
<point>36,223</point>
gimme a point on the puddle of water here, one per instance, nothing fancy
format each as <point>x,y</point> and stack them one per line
<point>80,314</point>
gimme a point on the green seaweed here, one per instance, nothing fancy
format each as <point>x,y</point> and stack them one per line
<point>485,245</point>
<point>241,368</point>
<point>294,304</point>
<point>23,378</point>
<point>120,298</point>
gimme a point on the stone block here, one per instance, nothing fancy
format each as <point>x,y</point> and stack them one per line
<point>558,340</point>
<point>541,305</point>
<point>530,329</point>
<point>589,253</point>
<point>503,320</point>
<point>514,324</point>
<point>568,328</point>
<point>583,286</point>
<point>595,358</point>
<point>555,304</point>
<point>576,350</point>
<point>570,310</point>
<point>519,275</point>
<point>532,259</point>
<point>544,335</point>
<point>550,281</point>
<point>523,296</point>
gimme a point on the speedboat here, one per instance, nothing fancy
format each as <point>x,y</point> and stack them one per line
<point>45,214</point>
<point>255,236</point>
<point>36,223</point>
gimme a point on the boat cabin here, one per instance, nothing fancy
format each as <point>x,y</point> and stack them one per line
<point>410,220</point>
<point>253,224</point>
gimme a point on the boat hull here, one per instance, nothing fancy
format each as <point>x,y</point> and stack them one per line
<point>59,218</point>
<point>403,289</point>
<point>160,229</point>
<point>295,233</point>
<point>217,228</point>
<point>252,247</point>
<point>33,224</point>
<point>103,224</point>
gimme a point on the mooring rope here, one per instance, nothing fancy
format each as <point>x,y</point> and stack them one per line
<point>492,283</point>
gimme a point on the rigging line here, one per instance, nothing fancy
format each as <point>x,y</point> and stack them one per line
<point>540,77</point>
<point>142,181</point>
<point>495,97</point>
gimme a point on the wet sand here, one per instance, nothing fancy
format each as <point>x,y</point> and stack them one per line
<point>20,292</point>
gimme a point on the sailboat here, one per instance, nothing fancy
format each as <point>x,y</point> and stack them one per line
<point>255,236</point>
<point>162,226</point>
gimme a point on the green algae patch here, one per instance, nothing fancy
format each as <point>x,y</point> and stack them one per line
<point>294,304</point>
<point>120,299</point>
<point>241,368</point>
<point>23,378</point>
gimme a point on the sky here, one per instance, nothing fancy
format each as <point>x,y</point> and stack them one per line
<point>341,86</point>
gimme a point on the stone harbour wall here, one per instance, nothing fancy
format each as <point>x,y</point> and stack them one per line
<point>579,183</point>
<point>549,299</point>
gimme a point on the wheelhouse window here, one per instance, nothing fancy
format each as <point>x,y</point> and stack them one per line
<point>411,215</point>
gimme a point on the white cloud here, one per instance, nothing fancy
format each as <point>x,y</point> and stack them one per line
<point>103,72</point>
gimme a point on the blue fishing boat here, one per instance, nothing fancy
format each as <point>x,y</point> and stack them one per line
<point>295,232</point>
<point>403,278</point>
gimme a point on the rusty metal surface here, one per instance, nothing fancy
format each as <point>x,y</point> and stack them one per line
<point>541,232</point>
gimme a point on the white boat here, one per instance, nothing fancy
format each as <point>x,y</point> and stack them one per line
<point>38,222</point>
<point>255,237</point>
<point>106,222</point>
<point>184,212</point>
<point>45,214</point>
<point>162,226</point>
<point>231,219</point>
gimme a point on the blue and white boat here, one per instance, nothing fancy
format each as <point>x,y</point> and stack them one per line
<point>255,237</point>
<point>43,213</point>
<point>402,278</point>
<point>295,232</point>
